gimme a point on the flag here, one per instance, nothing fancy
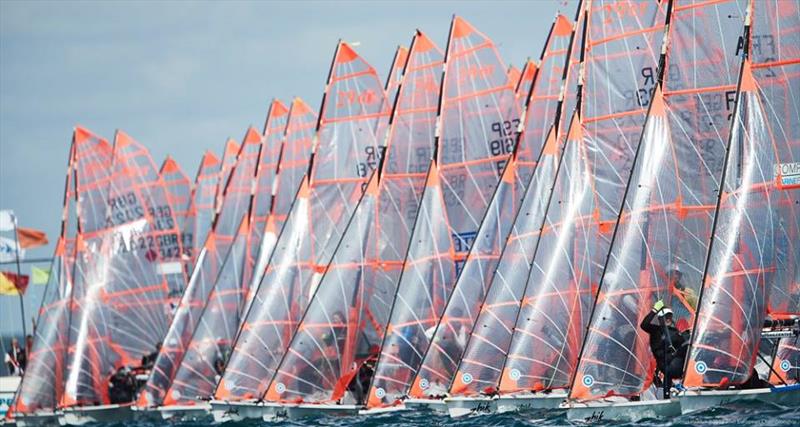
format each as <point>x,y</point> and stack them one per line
<point>40,276</point>
<point>31,238</point>
<point>12,284</point>
<point>8,250</point>
<point>7,220</point>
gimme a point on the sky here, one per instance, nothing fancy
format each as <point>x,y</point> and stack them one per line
<point>181,77</point>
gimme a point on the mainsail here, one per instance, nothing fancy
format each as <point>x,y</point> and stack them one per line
<point>43,383</point>
<point>349,131</point>
<point>576,234</point>
<point>774,41</point>
<point>480,364</point>
<point>179,191</point>
<point>774,50</point>
<point>128,262</point>
<point>449,340</point>
<point>663,230</point>
<point>478,121</point>
<point>243,372</point>
<point>187,315</point>
<point>345,322</point>
<point>266,183</point>
<point>201,208</point>
<point>741,256</point>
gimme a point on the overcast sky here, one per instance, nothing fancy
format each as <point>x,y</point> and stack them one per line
<point>182,76</point>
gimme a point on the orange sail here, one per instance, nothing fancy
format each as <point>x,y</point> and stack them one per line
<point>522,176</point>
<point>478,124</point>
<point>347,149</point>
<point>129,262</point>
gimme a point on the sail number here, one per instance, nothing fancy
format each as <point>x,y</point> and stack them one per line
<point>506,132</point>
<point>373,158</point>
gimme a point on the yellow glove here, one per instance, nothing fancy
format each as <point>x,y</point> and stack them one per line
<point>658,305</point>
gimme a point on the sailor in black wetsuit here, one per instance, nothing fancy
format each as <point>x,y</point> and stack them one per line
<point>667,343</point>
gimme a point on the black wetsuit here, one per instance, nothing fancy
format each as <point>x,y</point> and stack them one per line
<point>675,355</point>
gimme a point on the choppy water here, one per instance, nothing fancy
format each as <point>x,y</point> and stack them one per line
<point>746,414</point>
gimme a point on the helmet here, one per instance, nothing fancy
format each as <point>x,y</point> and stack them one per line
<point>675,267</point>
<point>665,311</point>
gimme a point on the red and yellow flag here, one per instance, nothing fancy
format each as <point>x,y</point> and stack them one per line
<point>12,284</point>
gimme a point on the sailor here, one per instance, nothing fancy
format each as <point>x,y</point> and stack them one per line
<point>667,343</point>
<point>16,359</point>
<point>149,360</point>
<point>121,386</point>
<point>676,283</point>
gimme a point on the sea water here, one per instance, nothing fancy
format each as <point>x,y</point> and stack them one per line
<point>744,414</point>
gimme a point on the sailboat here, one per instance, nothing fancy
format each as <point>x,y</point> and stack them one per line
<point>495,314</point>
<point>661,237</point>
<point>478,120</point>
<point>179,192</point>
<point>42,385</point>
<point>228,217</point>
<point>339,335</point>
<point>775,68</point>
<point>127,261</point>
<point>210,345</point>
<point>742,264</point>
<point>535,148</point>
<point>574,240</point>
<point>346,150</point>
<point>243,373</point>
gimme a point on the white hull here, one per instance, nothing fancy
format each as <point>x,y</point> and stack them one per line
<point>525,402</point>
<point>593,412</point>
<point>698,400</point>
<point>296,412</point>
<point>462,406</point>
<point>435,405</point>
<point>224,411</point>
<point>198,412</point>
<point>37,419</point>
<point>274,411</point>
<point>385,410</point>
<point>8,389</point>
<point>80,415</point>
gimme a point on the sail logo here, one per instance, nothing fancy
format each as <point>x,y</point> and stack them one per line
<point>380,393</point>
<point>788,174</point>
<point>467,378</point>
<point>280,388</point>
<point>587,380</point>
<point>424,384</point>
<point>348,98</point>
<point>619,10</point>
<point>515,374</point>
<point>701,367</point>
<point>474,72</point>
<point>785,366</point>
